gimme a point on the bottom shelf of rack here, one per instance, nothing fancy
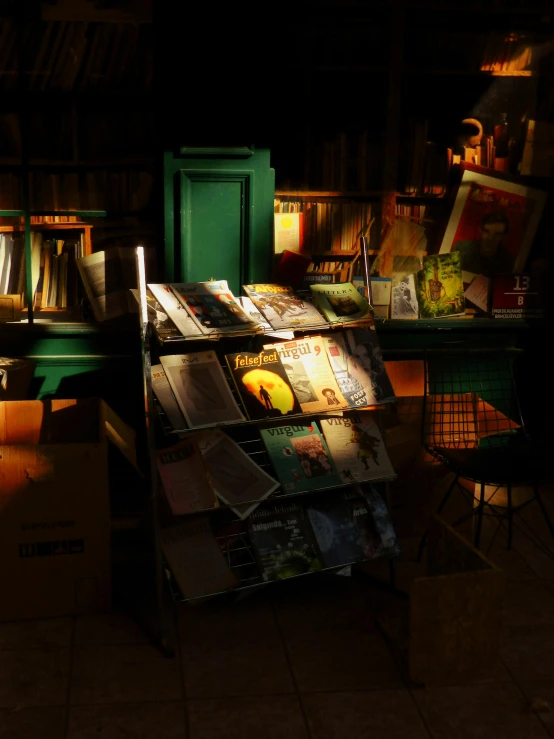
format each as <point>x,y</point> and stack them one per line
<point>239,553</point>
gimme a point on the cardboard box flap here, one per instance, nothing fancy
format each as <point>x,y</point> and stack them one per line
<point>87,420</point>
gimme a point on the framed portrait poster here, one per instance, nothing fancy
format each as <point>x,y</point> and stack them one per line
<point>493,222</point>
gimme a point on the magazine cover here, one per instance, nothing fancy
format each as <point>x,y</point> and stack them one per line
<point>333,525</point>
<point>157,316</point>
<point>310,374</point>
<point>357,447</point>
<point>440,289</point>
<point>404,303</point>
<point>184,478</point>
<point>341,303</point>
<point>235,476</point>
<point>300,457</point>
<point>368,535</point>
<point>282,307</point>
<point>195,558</point>
<point>366,363</point>
<point>283,542</point>
<point>173,308</point>
<point>358,366</point>
<point>262,384</point>
<point>201,389</point>
<point>164,394</point>
<point>213,307</point>
<point>377,507</point>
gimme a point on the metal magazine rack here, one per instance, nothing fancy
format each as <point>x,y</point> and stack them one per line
<point>230,532</point>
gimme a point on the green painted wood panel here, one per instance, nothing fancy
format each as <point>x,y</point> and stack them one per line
<point>218,215</point>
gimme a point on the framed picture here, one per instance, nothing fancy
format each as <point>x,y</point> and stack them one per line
<point>493,222</point>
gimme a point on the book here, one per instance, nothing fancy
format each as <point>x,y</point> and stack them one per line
<point>291,269</point>
<point>282,308</point>
<point>310,374</point>
<point>357,362</point>
<point>300,457</point>
<point>173,309</point>
<point>163,392</point>
<point>283,542</point>
<point>212,306</point>
<point>184,477</point>
<point>341,303</point>
<point>163,325</point>
<point>288,232</point>
<point>440,289</point>
<point>262,384</point>
<point>337,536</point>
<point>201,389</point>
<point>195,559</point>
<point>357,447</point>
<point>236,478</point>
<point>404,303</point>
<point>108,276</point>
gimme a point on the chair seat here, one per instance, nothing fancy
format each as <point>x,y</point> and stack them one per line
<point>524,464</point>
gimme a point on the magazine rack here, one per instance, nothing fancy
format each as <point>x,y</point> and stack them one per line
<point>231,532</point>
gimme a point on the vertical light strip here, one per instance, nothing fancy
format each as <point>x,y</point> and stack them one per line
<point>143,305</point>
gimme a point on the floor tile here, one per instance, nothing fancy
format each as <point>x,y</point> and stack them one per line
<point>104,629</point>
<point>46,633</point>
<point>46,722</point>
<point>33,677</point>
<point>527,603</point>
<point>128,721</point>
<point>380,714</point>
<point>541,692</point>
<point>478,712</point>
<point>265,717</point>
<point>528,653</point>
<point>332,640</point>
<point>125,673</point>
<point>233,649</point>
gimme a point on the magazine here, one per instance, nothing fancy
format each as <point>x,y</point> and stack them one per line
<point>336,533</point>
<point>163,325</point>
<point>300,457</point>
<point>368,535</point>
<point>388,546</point>
<point>440,288</point>
<point>213,308</point>
<point>201,389</point>
<point>236,478</point>
<point>341,303</point>
<point>357,447</point>
<point>184,478</point>
<point>282,308</point>
<point>250,309</point>
<point>283,542</point>
<point>164,394</point>
<point>310,374</point>
<point>195,558</point>
<point>262,384</point>
<point>357,363</point>
<point>404,299</point>
<point>173,308</point>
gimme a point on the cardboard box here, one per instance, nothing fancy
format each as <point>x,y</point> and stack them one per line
<point>55,506</point>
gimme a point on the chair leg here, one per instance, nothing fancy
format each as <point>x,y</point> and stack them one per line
<point>543,510</point>
<point>510,515</point>
<point>443,502</point>
<point>480,510</point>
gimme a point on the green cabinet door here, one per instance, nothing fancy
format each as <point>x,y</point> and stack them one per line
<point>218,215</point>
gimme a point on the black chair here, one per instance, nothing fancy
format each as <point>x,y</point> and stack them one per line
<point>472,424</point>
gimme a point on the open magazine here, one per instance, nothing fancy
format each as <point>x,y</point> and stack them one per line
<point>213,308</point>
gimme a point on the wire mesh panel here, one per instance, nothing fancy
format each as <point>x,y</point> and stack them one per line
<point>470,400</point>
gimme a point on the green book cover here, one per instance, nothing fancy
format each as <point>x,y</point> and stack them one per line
<point>341,303</point>
<point>300,456</point>
<point>440,290</point>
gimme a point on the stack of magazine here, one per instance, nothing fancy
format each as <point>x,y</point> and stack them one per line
<point>315,374</point>
<point>210,310</point>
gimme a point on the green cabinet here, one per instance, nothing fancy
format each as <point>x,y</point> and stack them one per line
<point>218,215</point>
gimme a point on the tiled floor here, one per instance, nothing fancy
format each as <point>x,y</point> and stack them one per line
<point>304,660</point>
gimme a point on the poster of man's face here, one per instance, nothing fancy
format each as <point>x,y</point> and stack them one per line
<point>493,223</point>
